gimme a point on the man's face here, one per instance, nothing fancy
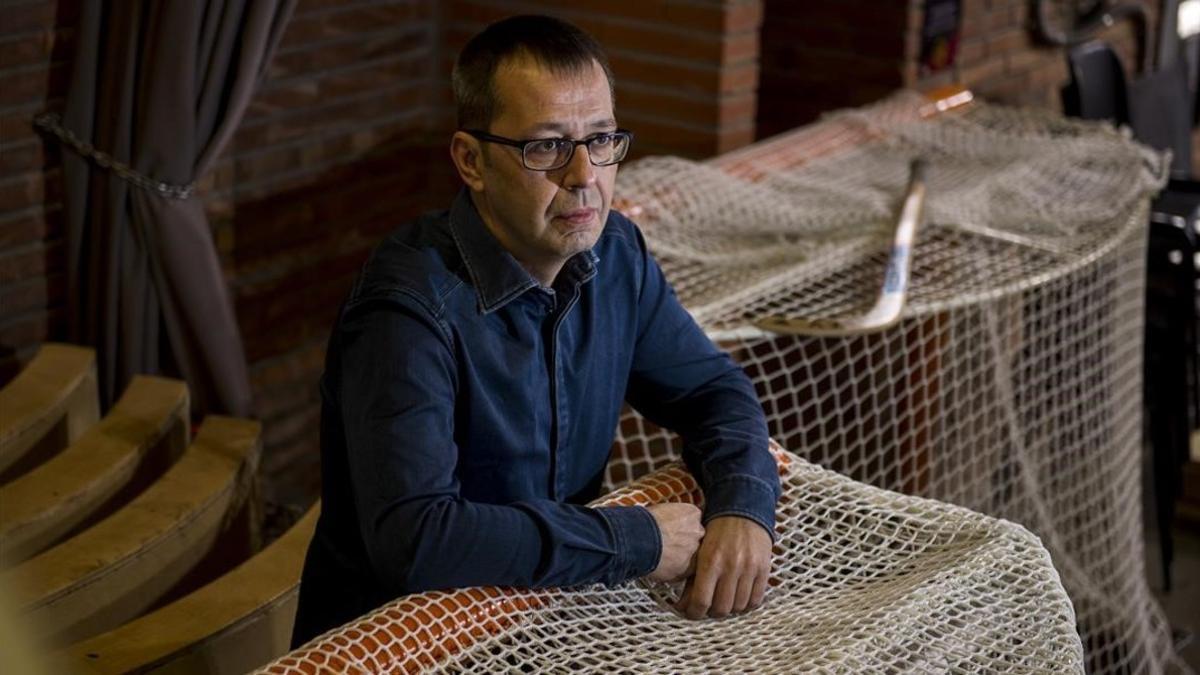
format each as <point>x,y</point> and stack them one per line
<point>545,217</point>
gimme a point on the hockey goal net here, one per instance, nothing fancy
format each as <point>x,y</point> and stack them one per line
<point>977,506</point>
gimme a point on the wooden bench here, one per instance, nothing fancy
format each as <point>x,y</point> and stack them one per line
<point>49,404</point>
<point>118,457</point>
<point>234,624</point>
<point>124,565</point>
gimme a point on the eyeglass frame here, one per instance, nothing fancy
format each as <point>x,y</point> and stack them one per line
<point>575,143</point>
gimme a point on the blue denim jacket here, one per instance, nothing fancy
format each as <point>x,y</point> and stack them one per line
<point>468,413</point>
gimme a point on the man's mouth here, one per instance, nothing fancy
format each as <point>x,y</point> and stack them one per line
<point>578,216</point>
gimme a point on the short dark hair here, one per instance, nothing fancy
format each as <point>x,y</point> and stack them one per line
<point>552,43</point>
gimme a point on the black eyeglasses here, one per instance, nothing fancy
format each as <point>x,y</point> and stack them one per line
<point>548,154</point>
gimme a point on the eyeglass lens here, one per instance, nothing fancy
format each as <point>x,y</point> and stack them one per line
<point>553,153</point>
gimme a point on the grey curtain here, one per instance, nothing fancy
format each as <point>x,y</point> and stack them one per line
<point>158,86</point>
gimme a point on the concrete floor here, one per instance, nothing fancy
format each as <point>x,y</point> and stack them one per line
<point>1182,603</point>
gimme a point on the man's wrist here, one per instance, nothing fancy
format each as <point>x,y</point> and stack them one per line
<point>638,541</point>
<point>743,496</point>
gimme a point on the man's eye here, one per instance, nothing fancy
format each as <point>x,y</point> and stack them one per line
<point>602,140</point>
<point>547,146</point>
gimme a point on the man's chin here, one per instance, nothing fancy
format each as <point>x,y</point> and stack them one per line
<point>574,228</point>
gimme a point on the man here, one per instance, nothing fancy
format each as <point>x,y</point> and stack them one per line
<point>477,370</point>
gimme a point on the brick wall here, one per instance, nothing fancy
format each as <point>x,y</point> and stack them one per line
<point>686,70</point>
<point>821,55</point>
<point>35,54</point>
<point>1001,59</point>
<point>333,152</point>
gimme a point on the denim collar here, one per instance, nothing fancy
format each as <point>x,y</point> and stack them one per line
<point>497,276</point>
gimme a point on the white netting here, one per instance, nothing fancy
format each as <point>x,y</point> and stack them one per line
<point>1015,196</point>
<point>867,581</point>
<point>1012,387</point>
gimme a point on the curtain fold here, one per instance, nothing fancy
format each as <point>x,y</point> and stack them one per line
<point>159,87</point>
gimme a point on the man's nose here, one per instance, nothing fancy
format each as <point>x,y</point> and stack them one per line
<point>579,172</point>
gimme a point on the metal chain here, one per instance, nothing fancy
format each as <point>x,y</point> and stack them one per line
<point>52,123</point>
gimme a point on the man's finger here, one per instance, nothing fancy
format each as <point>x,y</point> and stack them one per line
<point>760,589</point>
<point>745,588</point>
<point>681,603</point>
<point>724,594</point>
<point>701,597</point>
<point>691,568</point>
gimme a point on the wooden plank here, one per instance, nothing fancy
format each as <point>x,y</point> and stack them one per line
<point>136,441</point>
<point>57,390</point>
<point>120,567</point>
<point>234,624</point>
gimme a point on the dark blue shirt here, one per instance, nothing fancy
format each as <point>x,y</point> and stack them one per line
<point>468,413</point>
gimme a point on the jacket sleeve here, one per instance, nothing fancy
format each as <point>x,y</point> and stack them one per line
<point>397,395</point>
<point>681,381</point>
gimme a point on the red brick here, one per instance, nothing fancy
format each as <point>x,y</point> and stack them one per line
<point>383,136</point>
<point>614,32</point>
<point>32,294</point>
<point>1004,18</point>
<point>689,109</point>
<point>980,74</point>
<point>842,67</point>
<point>31,329</point>
<point>738,78</point>
<point>31,262</point>
<point>30,155</point>
<point>33,85</point>
<point>26,17</point>
<point>667,134</point>
<point>861,41</point>
<point>351,195</point>
<point>733,137</point>
<point>740,47</point>
<point>699,47</point>
<point>698,79</point>
<point>31,189</point>
<point>17,124</point>
<point>301,315</point>
<point>735,109</point>
<point>743,15</point>
<point>280,372</point>
<point>351,22</point>
<point>36,224</point>
<point>39,47</point>
<point>1008,40</point>
<point>286,429</point>
<point>353,52</point>
<point>298,93</point>
<point>877,15</point>
<point>971,51</point>
<point>708,17</point>
<point>1030,59</point>
<point>293,123</point>
<point>974,8</point>
<point>285,383</point>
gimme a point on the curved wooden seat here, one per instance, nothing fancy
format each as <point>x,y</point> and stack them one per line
<point>143,433</point>
<point>234,624</point>
<point>53,400</point>
<point>120,567</point>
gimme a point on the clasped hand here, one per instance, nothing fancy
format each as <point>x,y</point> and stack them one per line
<point>727,564</point>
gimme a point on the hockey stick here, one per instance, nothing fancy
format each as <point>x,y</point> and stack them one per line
<point>890,300</point>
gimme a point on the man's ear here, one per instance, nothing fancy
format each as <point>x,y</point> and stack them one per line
<point>467,155</point>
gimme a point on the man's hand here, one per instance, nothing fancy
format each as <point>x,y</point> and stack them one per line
<point>732,569</point>
<point>681,532</point>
